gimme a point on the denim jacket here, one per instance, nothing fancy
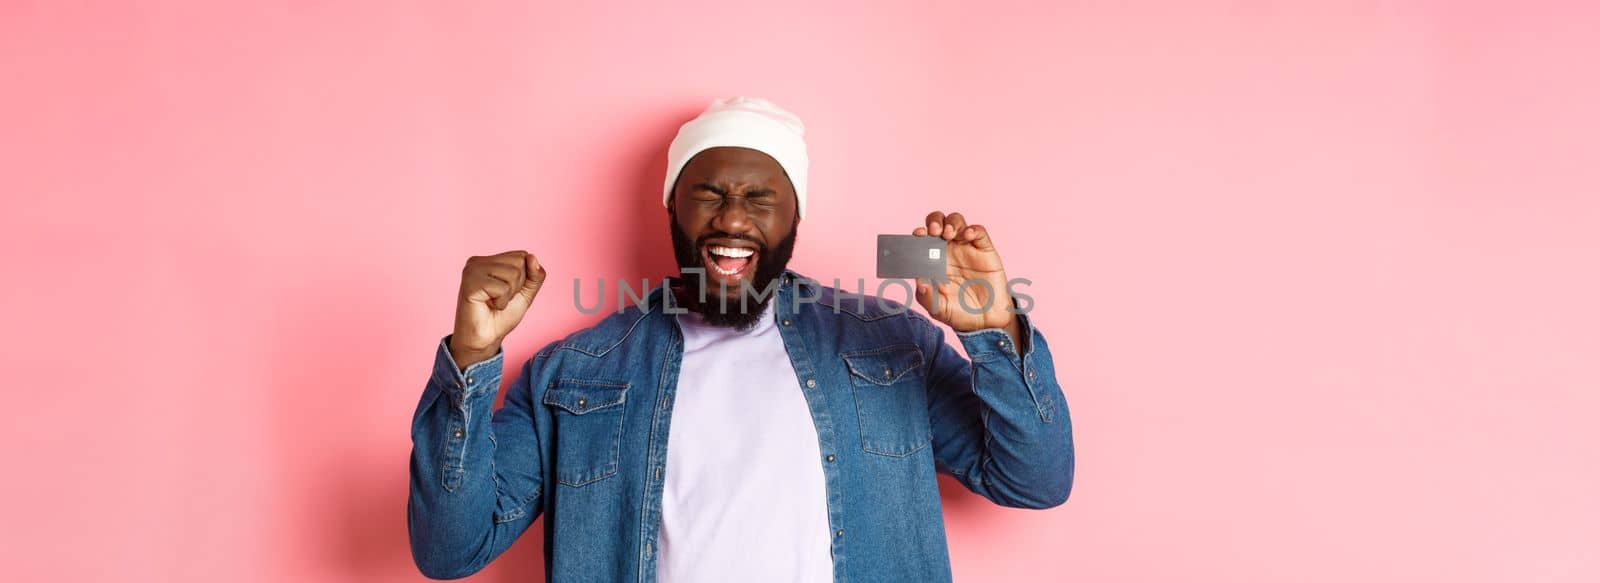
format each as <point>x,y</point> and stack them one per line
<point>582,438</point>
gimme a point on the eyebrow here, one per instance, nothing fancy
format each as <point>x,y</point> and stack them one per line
<point>714,188</point>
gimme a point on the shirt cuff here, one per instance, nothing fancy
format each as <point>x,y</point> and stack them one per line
<point>479,377</point>
<point>1031,363</point>
<point>992,343</point>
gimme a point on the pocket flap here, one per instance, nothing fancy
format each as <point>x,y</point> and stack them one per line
<point>579,397</point>
<point>884,366</point>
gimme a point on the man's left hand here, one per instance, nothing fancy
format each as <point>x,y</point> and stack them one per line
<point>970,255</point>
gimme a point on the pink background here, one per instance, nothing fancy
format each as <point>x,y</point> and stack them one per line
<point>1320,279</point>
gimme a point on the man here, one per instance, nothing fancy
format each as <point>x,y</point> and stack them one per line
<point>714,434</point>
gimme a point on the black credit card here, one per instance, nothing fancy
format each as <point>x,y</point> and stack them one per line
<point>911,256</point>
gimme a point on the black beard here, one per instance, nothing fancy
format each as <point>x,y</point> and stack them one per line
<point>736,312</point>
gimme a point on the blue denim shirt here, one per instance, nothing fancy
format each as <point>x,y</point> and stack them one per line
<point>582,438</point>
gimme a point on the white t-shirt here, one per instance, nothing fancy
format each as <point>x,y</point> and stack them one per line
<point>744,498</point>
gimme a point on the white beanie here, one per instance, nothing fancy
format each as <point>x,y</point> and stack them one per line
<point>744,122</point>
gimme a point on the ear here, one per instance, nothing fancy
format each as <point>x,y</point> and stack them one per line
<point>672,195</point>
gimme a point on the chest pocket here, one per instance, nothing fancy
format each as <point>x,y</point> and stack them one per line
<point>891,402</point>
<point>588,428</point>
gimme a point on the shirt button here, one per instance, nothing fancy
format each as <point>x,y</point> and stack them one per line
<point>1002,343</point>
<point>582,402</point>
<point>458,433</point>
<point>1030,374</point>
<point>838,533</point>
<point>830,457</point>
<point>469,380</point>
<point>786,322</point>
<point>811,383</point>
<point>886,373</point>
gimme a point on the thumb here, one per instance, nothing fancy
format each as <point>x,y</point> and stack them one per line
<point>925,296</point>
<point>535,277</point>
<point>531,283</point>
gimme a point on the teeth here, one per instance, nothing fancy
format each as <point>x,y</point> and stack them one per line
<point>720,270</point>
<point>731,251</point>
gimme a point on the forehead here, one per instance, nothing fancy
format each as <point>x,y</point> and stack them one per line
<point>735,164</point>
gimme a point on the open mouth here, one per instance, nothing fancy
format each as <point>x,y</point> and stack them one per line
<point>729,261</point>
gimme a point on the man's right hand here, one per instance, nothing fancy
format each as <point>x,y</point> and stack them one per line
<point>495,294</point>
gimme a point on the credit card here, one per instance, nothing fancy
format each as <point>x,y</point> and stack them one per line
<point>911,256</point>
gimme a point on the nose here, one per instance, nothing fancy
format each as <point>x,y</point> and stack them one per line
<point>733,217</point>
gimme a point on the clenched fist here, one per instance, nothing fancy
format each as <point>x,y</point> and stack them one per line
<point>495,294</point>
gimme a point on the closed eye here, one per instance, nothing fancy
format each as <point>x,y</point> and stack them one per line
<point>762,198</point>
<point>706,192</point>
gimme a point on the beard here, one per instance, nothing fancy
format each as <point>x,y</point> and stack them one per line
<point>733,310</point>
